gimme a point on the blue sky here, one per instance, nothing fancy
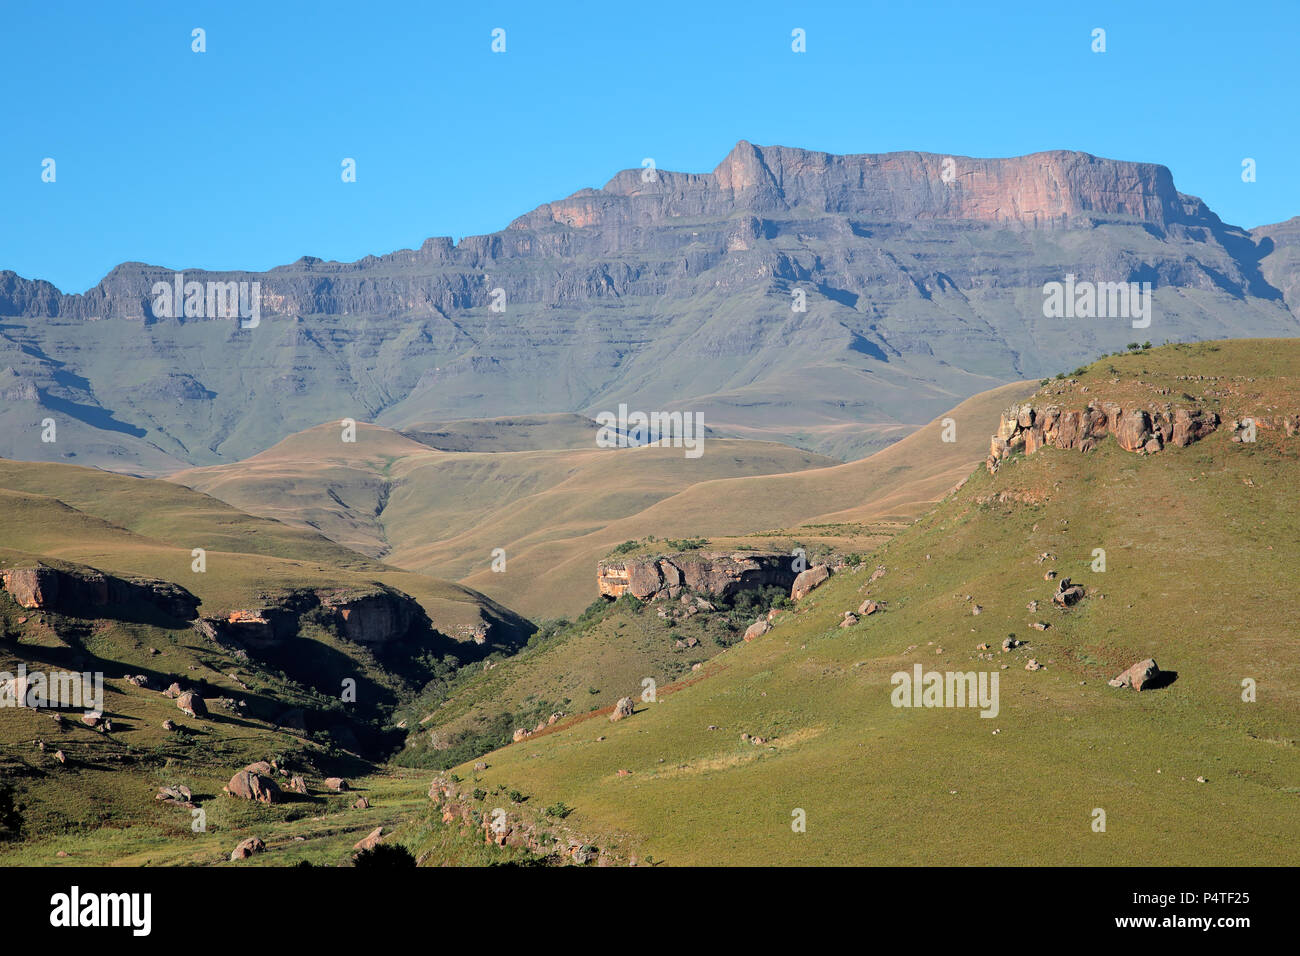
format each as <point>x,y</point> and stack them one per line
<point>231,158</point>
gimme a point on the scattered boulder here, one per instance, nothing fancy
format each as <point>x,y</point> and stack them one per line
<point>757,629</point>
<point>138,680</point>
<point>168,725</point>
<point>262,767</point>
<point>247,848</point>
<point>192,704</point>
<point>868,607</point>
<point>253,786</point>
<point>179,794</point>
<point>337,784</point>
<point>1067,594</point>
<point>361,804</point>
<point>849,619</point>
<point>1039,625</point>
<point>1010,644</point>
<point>297,784</point>
<point>1033,665</point>
<point>1138,677</point>
<point>624,708</point>
<point>173,691</point>
<point>371,840</point>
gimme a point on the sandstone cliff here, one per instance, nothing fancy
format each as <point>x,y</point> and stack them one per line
<point>84,592</point>
<point>1145,430</point>
<point>722,575</point>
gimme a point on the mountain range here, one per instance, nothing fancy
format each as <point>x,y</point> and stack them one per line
<point>834,303</point>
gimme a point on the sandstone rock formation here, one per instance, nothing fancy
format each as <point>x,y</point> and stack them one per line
<point>253,786</point>
<point>1141,430</point>
<point>78,590</point>
<point>723,575</point>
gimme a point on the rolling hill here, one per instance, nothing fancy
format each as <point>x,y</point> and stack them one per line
<point>800,724</point>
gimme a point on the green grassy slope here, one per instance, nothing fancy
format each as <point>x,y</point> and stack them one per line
<point>1201,546</point>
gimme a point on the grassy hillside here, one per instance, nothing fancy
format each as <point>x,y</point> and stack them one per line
<point>555,512</point>
<point>1201,546</point>
<point>282,702</point>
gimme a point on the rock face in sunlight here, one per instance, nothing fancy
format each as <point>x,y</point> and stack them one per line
<point>723,575</point>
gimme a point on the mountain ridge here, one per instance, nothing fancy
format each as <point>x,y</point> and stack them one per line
<point>830,302</point>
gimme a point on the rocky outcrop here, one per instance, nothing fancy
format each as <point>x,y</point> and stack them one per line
<point>373,616</point>
<point>1028,428</point>
<point>808,580</point>
<point>622,709</point>
<point>253,786</point>
<point>723,575</point>
<point>83,591</point>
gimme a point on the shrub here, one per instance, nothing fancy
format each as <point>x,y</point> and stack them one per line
<point>385,856</point>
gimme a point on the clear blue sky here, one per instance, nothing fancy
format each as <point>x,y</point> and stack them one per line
<point>231,158</point>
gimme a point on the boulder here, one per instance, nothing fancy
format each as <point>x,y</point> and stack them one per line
<point>262,767</point>
<point>173,691</point>
<point>371,840</point>
<point>192,704</point>
<point>624,708</point>
<point>253,786</point>
<point>337,784</point>
<point>757,629</point>
<point>808,580</point>
<point>849,619</point>
<point>1138,677</point>
<point>1067,593</point>
<point>247,848</point>
<point>868,607</point>
<point>297,784</point>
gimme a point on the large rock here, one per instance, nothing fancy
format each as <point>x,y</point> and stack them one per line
<point>192,704</point>
<point>253,786</point>
<point>247,848</point>
<point>757,629</point>
<point>1133,430</point>
<point>623,708</point>
<point>1140,676</point>
<point>808,580</point>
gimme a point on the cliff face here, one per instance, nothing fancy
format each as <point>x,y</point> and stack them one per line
<point>373,617</point>
<point>723,575</point>
<point>86,592</point>
<point>1038,189</point>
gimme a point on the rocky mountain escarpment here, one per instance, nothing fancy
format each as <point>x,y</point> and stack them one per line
<point>885,285</point>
